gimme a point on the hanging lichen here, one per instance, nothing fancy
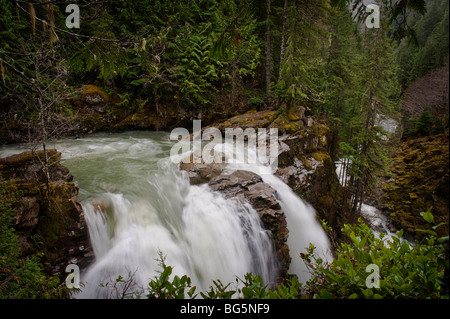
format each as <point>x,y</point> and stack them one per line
<point>32,18</point>
<point>51,19</point>
<point>44,26</point>
<point>2,71</point>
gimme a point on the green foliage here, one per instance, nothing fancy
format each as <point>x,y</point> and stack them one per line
<point>219,291</point>
<point>167,286</point>
<point>406,270</point>
<point>161,287</point>
<point>362,88</point>
<point>396,14</point>
<point>431,50</point>
<point>303,67</point>
<point>20,277</point>
<point>196,70</point>
<point>426,124</point>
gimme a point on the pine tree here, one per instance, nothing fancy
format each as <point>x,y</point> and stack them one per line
<point>303,61</point>
<point>378,97</point>
<point>237,41</point>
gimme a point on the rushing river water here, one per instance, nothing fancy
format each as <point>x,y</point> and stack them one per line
<point>148,207</point>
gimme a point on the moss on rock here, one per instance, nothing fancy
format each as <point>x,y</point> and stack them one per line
<point>420,181</point>
<point>48,219</point>
<point>93,94</point>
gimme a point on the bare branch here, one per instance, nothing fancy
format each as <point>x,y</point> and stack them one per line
<point>82,35</point>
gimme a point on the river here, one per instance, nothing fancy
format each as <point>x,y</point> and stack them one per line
<point>148,207</point>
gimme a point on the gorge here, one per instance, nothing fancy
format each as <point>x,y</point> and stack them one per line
<point>137,203</point>
<point>102,168</point>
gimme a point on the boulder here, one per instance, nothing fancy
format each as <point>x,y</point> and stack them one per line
<point>199,173</point>
<point>96,97</point>
<point>250,119</point>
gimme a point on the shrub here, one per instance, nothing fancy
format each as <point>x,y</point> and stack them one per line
<point>405,270</point>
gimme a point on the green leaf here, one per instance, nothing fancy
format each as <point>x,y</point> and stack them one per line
<point>428,216</point>
<point>368,293</point>
<point>443,239</point>
<point>437,226</point>
<point>354,239</point>
<point>427,231</point>
<point>325,294</point>
<point>399,280</point>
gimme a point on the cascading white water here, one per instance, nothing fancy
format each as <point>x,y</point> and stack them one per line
<point>149,207</point>
<point>300,216</point>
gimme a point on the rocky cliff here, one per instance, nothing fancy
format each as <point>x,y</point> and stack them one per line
<point>249,187</point>
<point>48,221</point>
<point>303,160</point>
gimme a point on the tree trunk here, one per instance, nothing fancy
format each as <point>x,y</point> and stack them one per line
<point>233,82</point>
<point>283,39</point>
<point>365,148</point>
<point>268,51</point>
<point>45,161</point>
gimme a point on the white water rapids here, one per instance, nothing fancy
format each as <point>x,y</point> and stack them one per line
<point>150,207</point>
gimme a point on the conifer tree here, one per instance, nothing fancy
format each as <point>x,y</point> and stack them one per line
<point>378,97</point>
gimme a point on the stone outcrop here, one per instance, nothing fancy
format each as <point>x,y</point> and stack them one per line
<point>95,96</point>
<point>47,221</point>
<point>199,173</point>
<point>249,187</point>
<point>303,163</point>
<point>306,166</point>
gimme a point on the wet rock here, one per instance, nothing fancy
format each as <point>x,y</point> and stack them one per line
<point>249,187</point>
<point>250,119</point>
<point>94,95</point>
<point>29,166</point>
<point>199,173</point>
<point>47,213</point>
<point>306,166</point>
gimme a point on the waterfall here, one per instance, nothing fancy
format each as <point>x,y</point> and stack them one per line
<point>208,238</point>
<point>300,217</point>
<point>137,205</point>
<point>303,228</point>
